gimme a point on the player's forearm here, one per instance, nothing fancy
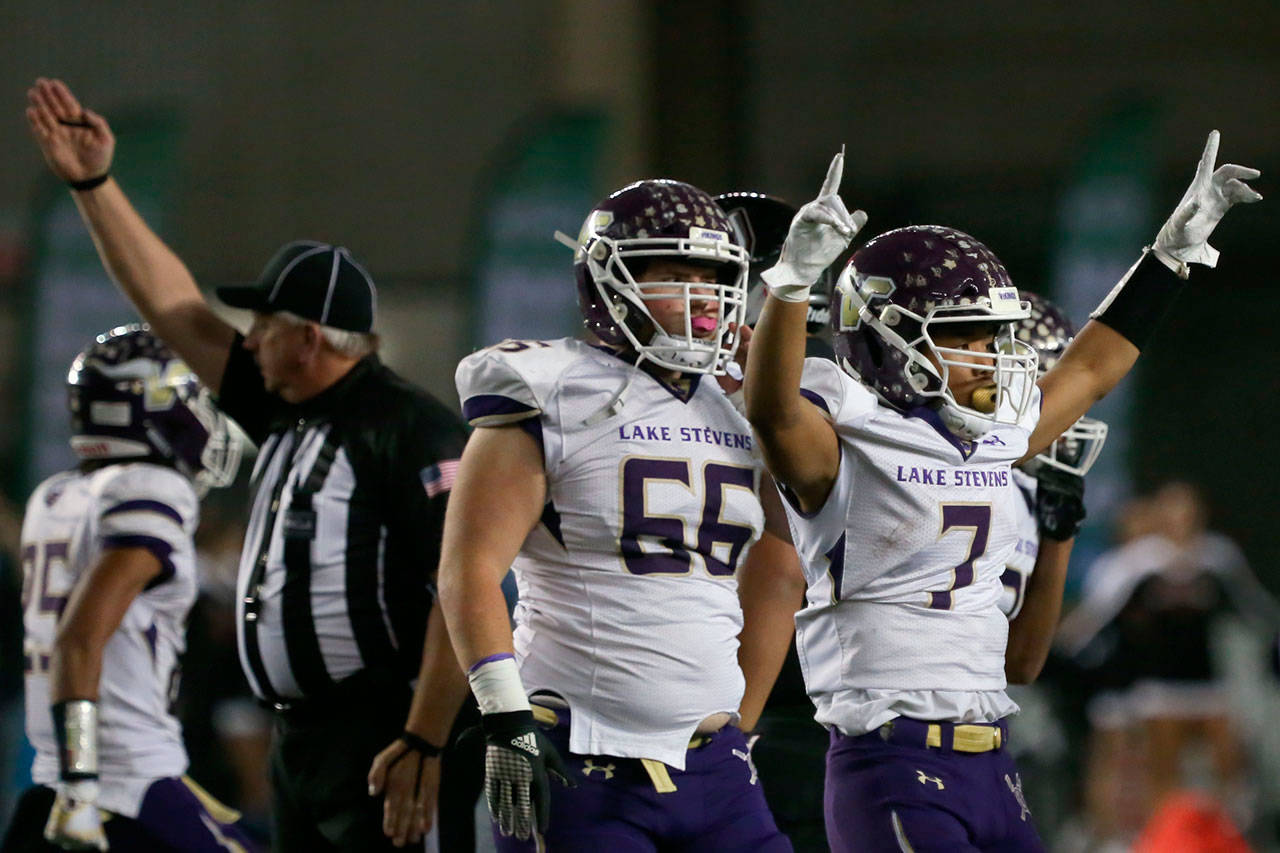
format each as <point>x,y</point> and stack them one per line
<point>442,685</point>
<point>475,611</point>
<point>1092,366</point>
<point>153,278</point>
<point>771,589</point>
<point>766,636</point>
<point>774,367</point>
<point>1031,633</point>
<point>75,667</point>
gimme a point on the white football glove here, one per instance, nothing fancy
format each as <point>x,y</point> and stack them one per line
<point>74,821</point>
<point>819,232</point>
<point>1185,236</point>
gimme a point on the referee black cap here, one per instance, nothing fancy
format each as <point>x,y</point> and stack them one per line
<point>315,281</point>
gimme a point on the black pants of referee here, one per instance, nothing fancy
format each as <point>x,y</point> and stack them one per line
<point>320,757</point>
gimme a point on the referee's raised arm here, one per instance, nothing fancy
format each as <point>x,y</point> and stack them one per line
<point>78,145</point>
<point>355,464</point>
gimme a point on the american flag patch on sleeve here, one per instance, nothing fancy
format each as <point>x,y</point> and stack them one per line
<point>438,478</point>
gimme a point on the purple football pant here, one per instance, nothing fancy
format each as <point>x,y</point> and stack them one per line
<point>173,819</point>
<point>718,804</point>
<point>899,794</point>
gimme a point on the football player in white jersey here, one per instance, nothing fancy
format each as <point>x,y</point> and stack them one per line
<point>109,575</point>
<point>618,480</point>
<point>1051,487</point>
<point>896,464</point>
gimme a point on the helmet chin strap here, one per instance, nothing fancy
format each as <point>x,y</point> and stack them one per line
<point>675,350</point>
<point>963,423</point>
<point>618,400</point>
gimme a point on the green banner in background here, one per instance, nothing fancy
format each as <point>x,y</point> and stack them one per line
<point>548,181</point>
<point>70,297</point>
<point>1104,219</point>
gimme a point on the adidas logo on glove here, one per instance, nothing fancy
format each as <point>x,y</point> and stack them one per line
<point>526,742</point>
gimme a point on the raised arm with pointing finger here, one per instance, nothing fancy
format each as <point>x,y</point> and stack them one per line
<point>1108,346</point>
<point>78,145</point>
<point>896,465</point>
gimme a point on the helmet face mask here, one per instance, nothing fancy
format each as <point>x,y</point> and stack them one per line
<point>1050,331</point>
<point>668,220</point>
<point>1075,450</point>
<point>906,286</point>
<point>131,397</point>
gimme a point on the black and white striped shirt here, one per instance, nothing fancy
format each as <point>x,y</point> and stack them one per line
<point>344,533</point>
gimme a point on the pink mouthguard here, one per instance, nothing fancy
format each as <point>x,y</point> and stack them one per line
<point>703,324</point>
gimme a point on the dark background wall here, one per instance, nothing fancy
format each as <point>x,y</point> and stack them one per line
<point>378,124</point>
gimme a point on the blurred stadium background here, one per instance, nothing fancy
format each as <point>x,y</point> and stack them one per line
<point>443,143</point>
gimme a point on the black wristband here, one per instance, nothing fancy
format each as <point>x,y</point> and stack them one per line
<point>89,183</point>
<point>420,744</point>
<point>507,724</point>
<point>1135,307</point>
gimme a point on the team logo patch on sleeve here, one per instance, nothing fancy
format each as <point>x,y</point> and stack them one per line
<point>438,478</point>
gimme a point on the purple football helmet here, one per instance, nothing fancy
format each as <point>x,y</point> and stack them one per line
<point>1048,330</point>
<point>667,219</point>
<point>131,397</point>
<point>762,222</point>
<point>905,286</point>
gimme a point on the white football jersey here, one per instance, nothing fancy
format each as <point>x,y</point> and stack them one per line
<point>1022,562</point>
<point>903,564</point>
<point>71,519</point>
<point>628,598</point>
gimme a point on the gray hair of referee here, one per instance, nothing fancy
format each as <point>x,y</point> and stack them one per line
<point>349,344</point>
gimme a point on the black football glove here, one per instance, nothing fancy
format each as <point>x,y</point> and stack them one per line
<point>1059,503</point>
<point>517,763</point>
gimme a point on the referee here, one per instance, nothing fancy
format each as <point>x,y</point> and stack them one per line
<point>352,475</point>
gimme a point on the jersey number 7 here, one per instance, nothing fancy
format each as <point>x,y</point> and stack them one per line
<point>977,519</point>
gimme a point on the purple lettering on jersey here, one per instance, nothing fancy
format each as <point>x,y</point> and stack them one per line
<point>669,532</point>
<point>37,560</point>
<point>975,517</point>
<point>953,477</point>
<point>714,529</point>
<point>689,435</point>
<point>52,603</point>
<point>29,569</point>
<point>636,522</point>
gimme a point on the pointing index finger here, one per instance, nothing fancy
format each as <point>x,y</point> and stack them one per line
<point>1210,154</point>
<point>835,172</point>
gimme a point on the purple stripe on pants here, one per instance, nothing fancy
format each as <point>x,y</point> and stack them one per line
<point>898,794</point>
